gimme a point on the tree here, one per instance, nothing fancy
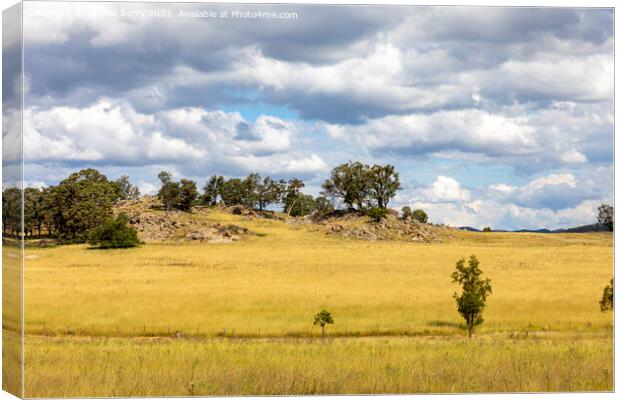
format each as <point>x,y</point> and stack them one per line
<point>606,216</point>
<point>302,205</point>
<point>322,207</point>
<point>407,213</point>
<point>268,191</point>
<point>170,191</point>
<point>126,191</point>
<point>49,209</point>
<point>233,192</point>
<point>292,194</point>
<point>472,300</point>
<point>349,182</point>
<point>607,301</point>
<point>420,216</point>
<point>213,190</point>
<point>34,210</point>
<point>81,202</point>
<point>323,318</point>
<point>11,211</point>
<point>114,233</point>
<point>383,182</point>
<point>188,193</point>
<point>487,229</point>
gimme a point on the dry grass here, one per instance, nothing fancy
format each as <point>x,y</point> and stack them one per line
<point>269,285</point>
<point>139,367</point>
<point>11,319</point>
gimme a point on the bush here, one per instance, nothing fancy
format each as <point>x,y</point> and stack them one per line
<point>420,216</point>
<point>114,233</point>
<point>377,214</point>
<point>407,213</point>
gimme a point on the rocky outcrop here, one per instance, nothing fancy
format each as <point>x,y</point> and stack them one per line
<point>155,224</point>
<point>218,233</point>
<point>391,228</point>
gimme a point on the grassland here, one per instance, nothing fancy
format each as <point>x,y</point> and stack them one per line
<point>11,317</point>
<point>235,318</point>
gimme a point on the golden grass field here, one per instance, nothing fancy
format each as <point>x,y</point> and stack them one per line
<point>236,318</point>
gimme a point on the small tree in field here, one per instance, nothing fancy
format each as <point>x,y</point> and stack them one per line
<point>472,300</point>
<point>323,318</point>
<point>607,301</point>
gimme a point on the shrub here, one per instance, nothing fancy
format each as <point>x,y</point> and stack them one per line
<point>376,214</point>
<point>420,216</point>
<point>114,233</point>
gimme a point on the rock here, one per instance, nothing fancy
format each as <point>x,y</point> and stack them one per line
<point>154,224</point>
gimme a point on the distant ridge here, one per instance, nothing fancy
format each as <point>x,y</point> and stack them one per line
<point>578,229</point>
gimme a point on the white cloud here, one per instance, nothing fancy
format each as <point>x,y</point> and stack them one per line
<point>445,189</point>
<point>113,133</point>
<point>467,130</point>
<point>55,22</point>
<point>563,133</point>
<point>543,183</point>
<point>481,213</point>
<point>293,163</point>
<point>503,189</point>
<point>147,188</point>
<point>108,131</point>
<point>553,201</point>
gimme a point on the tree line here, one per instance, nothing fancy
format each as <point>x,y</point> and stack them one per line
<point>85,199</point>
<point>67,211</point>
<point>359,187</point>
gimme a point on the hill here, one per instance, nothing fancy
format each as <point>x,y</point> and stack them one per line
<point>577,229</point>
<point>155,224</point>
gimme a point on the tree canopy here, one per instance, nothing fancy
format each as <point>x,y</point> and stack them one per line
<point>81,202</point>
<point>475,290</point>
<point>606,216</point>
<point>360,186</point>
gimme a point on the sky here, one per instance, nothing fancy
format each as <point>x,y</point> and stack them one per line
<point>498,117</point>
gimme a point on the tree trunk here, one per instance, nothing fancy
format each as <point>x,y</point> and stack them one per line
<point>323,334</point>
<point>470,329</point>
<point>288,212</point>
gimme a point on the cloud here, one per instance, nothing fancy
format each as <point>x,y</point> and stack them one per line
<point>106,132</point>
<point>509,216</point>
<point>552,201</point>
<point>370,64</point>
<point>523,90</point>
<point>559,134</point>
<point>444,190</point>
<point>111,132</point>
